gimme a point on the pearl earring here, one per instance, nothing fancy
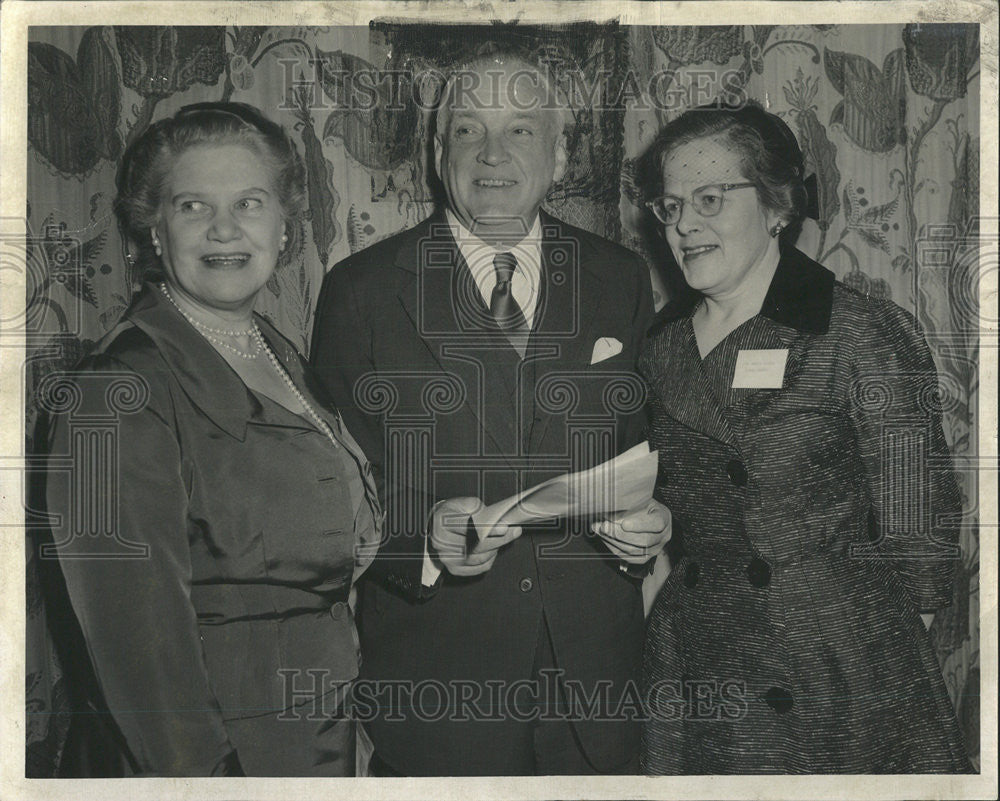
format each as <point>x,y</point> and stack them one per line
<point>284,241</point>
<point>156,245</point>
<point>777,228</point>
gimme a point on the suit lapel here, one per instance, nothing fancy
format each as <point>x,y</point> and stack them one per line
<point>566,313</point>
<point>430,259</point>
<point>564,322</point>
<point>449,317</point>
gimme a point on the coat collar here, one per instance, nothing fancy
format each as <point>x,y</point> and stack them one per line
<point>206,378</point>
<point>433,228</point>
<point>800,296</point>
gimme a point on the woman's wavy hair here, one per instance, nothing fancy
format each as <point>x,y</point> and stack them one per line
<point>769,156</point>
<point>147,162</point>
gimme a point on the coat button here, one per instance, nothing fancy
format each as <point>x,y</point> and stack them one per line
<point>338,610</point>
<point>691,574</point>
<point>759,572</point>
<point>779,699</point>
<point>526,585</point>
<point>737,472</point>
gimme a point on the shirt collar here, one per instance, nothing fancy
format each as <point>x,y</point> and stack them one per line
<point>800,296</point>
<point>475,251</point>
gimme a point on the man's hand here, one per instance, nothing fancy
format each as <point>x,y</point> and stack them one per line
<point>451,544</point>
<point>638,536</point>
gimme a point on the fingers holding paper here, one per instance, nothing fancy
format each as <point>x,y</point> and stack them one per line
<point>454,541</point>
<point>637,536</point>
<point>466,535</point>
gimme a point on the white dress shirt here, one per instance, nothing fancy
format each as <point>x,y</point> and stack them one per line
<point>526,280</point>
<point>524,285</point>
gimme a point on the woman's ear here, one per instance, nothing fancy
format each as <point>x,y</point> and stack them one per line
<point>775,221</point>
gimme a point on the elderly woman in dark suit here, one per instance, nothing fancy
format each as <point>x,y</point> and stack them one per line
<point>802,456</point>
<point>215,596</point>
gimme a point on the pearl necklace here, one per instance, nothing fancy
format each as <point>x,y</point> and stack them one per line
<point>208,332</point>
<point>259,345</point>
<point>321,424</point>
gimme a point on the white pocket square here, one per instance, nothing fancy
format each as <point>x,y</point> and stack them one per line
<point>605,348</point>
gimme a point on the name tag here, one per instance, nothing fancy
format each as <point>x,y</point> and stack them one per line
<point>760,369</point>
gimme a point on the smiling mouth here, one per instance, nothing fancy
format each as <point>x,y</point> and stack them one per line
<point>695,252</point>
<point>226,260</point>
<point>494,183</point>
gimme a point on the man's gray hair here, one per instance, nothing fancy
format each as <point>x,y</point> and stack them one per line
<point>554,97</point>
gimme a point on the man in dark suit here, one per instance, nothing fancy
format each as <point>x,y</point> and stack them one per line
<point>484,350</point>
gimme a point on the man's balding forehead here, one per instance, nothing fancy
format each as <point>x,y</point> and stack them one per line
<point>505,78</point>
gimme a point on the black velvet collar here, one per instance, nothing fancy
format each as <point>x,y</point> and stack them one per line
<point>800,296</point>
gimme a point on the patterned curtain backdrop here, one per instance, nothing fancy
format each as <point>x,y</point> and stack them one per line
<point>887,116</point>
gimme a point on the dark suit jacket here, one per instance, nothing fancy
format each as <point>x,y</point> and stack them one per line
<point>210,543</point>
<point>445,407</point>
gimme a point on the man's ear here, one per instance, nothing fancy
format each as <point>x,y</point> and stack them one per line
<point>562,158</point>
<point>438,152</point>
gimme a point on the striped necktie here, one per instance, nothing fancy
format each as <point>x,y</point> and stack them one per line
<point>504,308</point>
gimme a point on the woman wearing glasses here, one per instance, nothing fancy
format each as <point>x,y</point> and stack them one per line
<point>217,619</point>
<point>802,456</point>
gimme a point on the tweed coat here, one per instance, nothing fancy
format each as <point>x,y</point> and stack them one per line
<point>216,616</point>
<point>813,523</point>
<point>445,407</point>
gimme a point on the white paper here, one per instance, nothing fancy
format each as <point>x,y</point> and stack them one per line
<point>617,485</point>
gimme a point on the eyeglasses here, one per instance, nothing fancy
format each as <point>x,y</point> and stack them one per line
<point>706,200</point>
